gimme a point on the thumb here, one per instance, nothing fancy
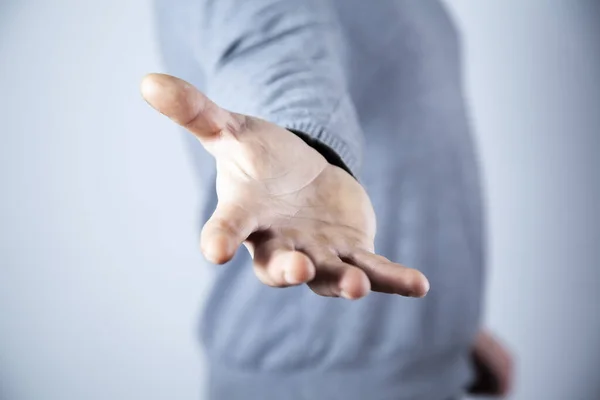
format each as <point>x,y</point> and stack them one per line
<point>187,106</point>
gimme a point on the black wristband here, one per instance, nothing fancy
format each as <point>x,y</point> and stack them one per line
<point>331,156</point>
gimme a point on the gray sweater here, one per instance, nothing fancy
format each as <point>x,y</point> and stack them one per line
<point>380,83</point>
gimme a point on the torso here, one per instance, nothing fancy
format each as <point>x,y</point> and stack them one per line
<point>419,169</point>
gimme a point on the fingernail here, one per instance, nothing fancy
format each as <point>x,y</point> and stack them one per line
<point>345,295</point>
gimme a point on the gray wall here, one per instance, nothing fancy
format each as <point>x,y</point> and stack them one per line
<point>533,72</point>
<point>99,291</point>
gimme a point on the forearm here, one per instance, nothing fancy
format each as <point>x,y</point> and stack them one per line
<point>280,60</point>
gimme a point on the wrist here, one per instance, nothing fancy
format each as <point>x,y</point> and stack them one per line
<point>327,152</point>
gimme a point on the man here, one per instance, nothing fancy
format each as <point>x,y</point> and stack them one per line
<point>333,112</point>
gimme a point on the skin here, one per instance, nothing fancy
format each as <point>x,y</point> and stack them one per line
<point>494,368</point>
<point>303,220</point>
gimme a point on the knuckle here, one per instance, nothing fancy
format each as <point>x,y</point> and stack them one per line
<point>236,124</point>
<point>225,225</point>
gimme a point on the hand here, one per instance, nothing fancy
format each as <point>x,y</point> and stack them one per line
<point>302,219</point>
<point>493,367</point>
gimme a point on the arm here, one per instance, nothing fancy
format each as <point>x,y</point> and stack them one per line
<point>275,64</point>
<point>280,60</point>
<point>302,219</point>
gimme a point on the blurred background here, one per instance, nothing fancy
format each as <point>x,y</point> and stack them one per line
<point>99,285</point>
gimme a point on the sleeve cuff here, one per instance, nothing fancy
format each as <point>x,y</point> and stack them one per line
<point>325,150</point>
<point>340,136</point>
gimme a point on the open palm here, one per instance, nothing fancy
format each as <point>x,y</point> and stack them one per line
<point>302,219</point>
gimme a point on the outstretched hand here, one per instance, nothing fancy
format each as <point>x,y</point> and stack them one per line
<point>302,219</point>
